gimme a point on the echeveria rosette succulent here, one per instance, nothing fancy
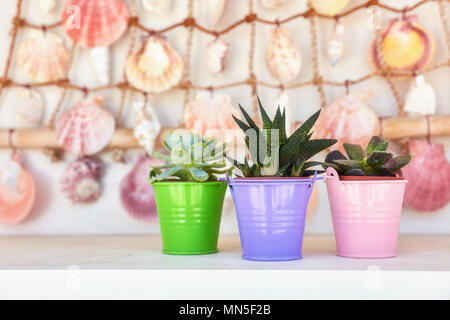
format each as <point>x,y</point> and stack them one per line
<point>191,158</point>
<point>275,154</point>
<point>373,161</point>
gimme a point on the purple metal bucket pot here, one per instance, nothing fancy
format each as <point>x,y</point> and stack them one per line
<point>271,216</point>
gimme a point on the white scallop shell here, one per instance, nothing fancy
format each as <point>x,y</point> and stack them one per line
<point>147,125</point>
<point>272,3</point>
<point>160,7</point>
<point>216,11</point>
<point>30,108</point>
<point>155,67</point>
<point>46,6</point>
<point>217,55</point>
<point>283,57</point>
<point>100,63</point>
<point>420,99</point>
<point>335,47</point>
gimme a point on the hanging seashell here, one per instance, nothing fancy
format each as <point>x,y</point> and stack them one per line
<point>211,116</point>
<point>136,194</point>
<point>17,192</point>
<point>147,125</point>
<point>329,7</point>
<point>155,67</point>
<point>95,23</point>
<point>81,181</point>
<point>283,57</point>
<point>407,47</point>
<point>47,6</point>
<point>160,7</point>
<point>86,128</point>
<point>100,63</point>
<point>348,119</point>
<point>43,57</point>
<point>335,47</point>
<point>217,55</point>
<point>420,99</point>
<point>30,109</point>
<point>216,11</point>
<point>272,3</point>
<point>283,102</point>
<point>428,175</point>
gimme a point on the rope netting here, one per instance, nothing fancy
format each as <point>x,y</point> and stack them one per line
<point>250,19</point>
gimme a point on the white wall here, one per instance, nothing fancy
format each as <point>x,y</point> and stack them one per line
<point>56,215</point>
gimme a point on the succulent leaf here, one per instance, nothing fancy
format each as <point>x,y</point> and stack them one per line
<point>396,163</point>
<point>378,158</point>
<point>354,151</point>
<point>377,144</point>
<point>334,155</point>
<point>198,174</point>
<point>310,148</point>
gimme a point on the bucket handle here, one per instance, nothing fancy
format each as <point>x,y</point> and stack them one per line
<point>332,175</point>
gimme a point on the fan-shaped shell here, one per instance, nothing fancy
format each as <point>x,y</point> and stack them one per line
<point>95,23</point>
<point>348,119</point>
<point>211,116</point>
<point>160,7</point>
<point>329,7</point>
<point>30,108</point>
<point>155,67</point>
<point>136,194</point>
<point>43,57</point>
<point>147,125</point>
<point>420,99</point>
<point>86,128</point>
<point>428,175</point>
<point>407,47</point>
<point>81,180</point>
<point>283,57</point>
<point>216,11</point>
<point>17,192</point>
<point>217,55</point>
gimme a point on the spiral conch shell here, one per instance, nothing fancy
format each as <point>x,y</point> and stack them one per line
<point>17,192</point>
<point>43,57</point>
<point>30,109</point>
<point>428,175</point>
<point>160,7</point>
<point>217,55</point>
<point>212,116</point>
<point>147,125</point>
<point>81,181</point>
<point>407,47</point>
<point>335,47</point>
<point>348,119</point>
<point>329,7</point>
<point>86,128</point>
<point>155,67</point>
<point>216,11</point>
<point>420,99</point>
<point>136,194</point>
<point>283,57</point>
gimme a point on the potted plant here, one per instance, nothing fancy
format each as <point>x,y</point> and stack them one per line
<point>272,195</point>
<point>366,195</point>
<point>189,197</point>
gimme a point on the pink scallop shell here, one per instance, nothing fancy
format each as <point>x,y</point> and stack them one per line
<point>77,173</point>
<point>348,119</point>
<point>16,202</point>
<point>95,23</point>
<point>136,194</point>
<point>428,175</point>
<point>43,57</point>
<point>85,129</point>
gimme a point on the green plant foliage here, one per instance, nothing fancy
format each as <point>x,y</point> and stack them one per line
<point>374,161</point>
<point>191,158</point>
<point>272,152</point>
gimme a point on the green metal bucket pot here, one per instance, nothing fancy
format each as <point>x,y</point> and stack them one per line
<point>189,215</point>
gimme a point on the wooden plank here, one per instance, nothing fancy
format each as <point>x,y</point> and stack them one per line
<point>392,128</point>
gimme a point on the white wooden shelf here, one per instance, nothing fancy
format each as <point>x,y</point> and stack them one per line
<point>134,267</point>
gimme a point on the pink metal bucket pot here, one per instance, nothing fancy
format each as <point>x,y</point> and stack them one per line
<point>366,215</point>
